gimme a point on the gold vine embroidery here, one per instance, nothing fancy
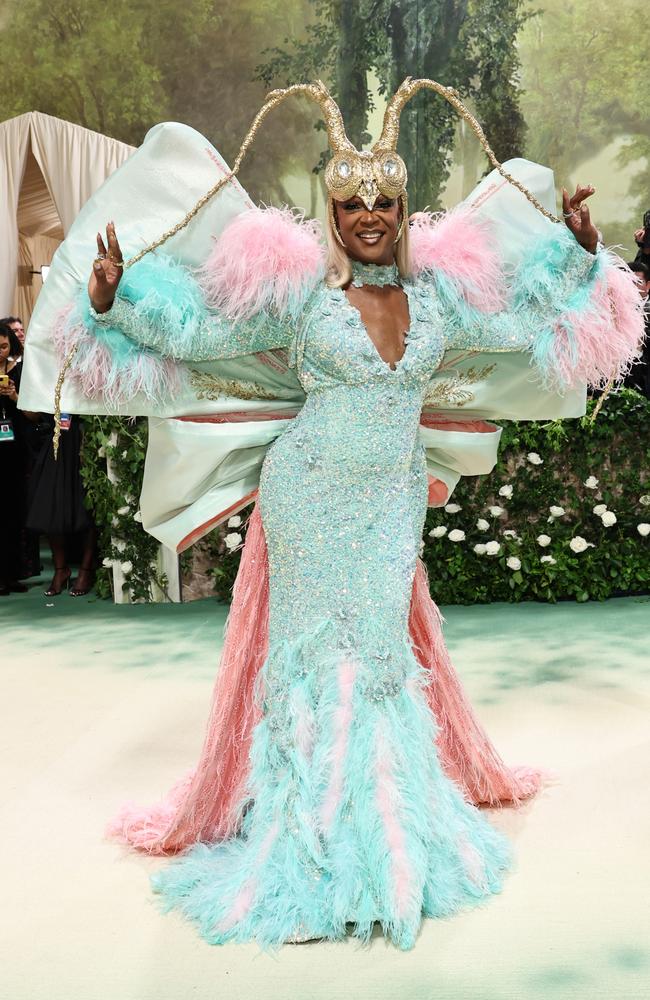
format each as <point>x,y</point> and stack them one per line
<point>454,391</point>
<point>209,386</point>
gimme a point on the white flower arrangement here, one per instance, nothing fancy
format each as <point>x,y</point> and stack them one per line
<point>534,458</point>
<point>234,521</point>
<point>107,563</point>
<point>509,533</point>
<point>480,548</point>
<point>506,491</point>
<point>482,524</point>
<point>608,518</point>
<point>543,540</point>
<point>127,566</point>
<point>557,511</point>
<point>492,548</point>
<point>591,483</point>
<point>101,452</point>
<point>125,453</point>
<point>496,511</point>
<point>232,540</point>
<point>438,532</point>
<point>452,508</point>
<point>120,545</point>
<point>456,535</point>
<point>548,559</point>
<point>643,529</point>
<point>122,511</point>
<point>138,516</point>
<point>600,509</point>
<point>579,544</point>
<point>645,500</point>
<point>513,563</point>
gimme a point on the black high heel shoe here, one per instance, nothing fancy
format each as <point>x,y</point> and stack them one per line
<point>53,590</point>
<point>77,589</point>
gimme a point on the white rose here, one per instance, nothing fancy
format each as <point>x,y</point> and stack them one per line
<point>548,559</point>
<point>534,458</point>
<point>513,563</point>
<point>456,535</point>
<point>591,483</point>
<point>506,491</point>
<point>120,546</point>
<point>482,524</point>
<point>421,549</point>
<point>101,452</point>
<point>608,518</point>
<point>543,540</point>
<point>232,540</point>
<point>234,522</point>
<point>643,529</point>
<point>128,498</point>
<point>138,516</point>
<point>579,544</point>
<point>107,562</point>
<point>557,511</point>
<point>600,509</point>
<point>126,567</point>
<point>114,522</point>
<point>645,500</point>
<point>496,511</point>
<point>509,533</point>
<point>122,510</point>
<point>480,549</point>
<point>492,549</point>
<point>124,453</point>
<point>452,508</point>
<point>438,532</point>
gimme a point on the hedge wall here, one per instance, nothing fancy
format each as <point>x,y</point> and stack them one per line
<point>565,515</point>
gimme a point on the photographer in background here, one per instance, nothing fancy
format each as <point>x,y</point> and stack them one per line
<point>642,240</point>
<point>639,375</point>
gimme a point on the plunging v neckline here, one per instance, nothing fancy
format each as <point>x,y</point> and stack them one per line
<point>364,330</point>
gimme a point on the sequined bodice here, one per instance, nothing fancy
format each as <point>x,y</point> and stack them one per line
<point>333,347</point>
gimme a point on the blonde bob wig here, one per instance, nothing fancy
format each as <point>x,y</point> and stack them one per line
<point>339,270</point>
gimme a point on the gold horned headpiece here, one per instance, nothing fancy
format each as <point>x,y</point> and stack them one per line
<point>350,172</point>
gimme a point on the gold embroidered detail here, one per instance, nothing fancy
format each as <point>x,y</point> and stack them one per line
<point>209,386</point>
<point>454,391</point>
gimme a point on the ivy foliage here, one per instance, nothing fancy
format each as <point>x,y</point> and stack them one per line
<point>122,443</point>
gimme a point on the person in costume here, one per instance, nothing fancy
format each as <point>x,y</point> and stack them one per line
<point>339,780</point>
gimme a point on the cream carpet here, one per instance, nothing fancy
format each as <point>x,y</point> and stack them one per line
<point>101,703</point>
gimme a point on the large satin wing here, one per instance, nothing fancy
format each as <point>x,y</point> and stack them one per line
<point>151,192</point>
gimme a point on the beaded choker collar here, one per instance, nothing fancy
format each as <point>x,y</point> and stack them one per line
<point>374,274</point>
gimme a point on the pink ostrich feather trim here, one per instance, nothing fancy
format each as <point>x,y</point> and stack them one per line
<point>389,804</point>
<point>95,370</point>
<point>267,258</point>
<point>460,246</point>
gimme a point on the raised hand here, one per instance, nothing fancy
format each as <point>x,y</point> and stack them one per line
<point>106,272</point>
<point>577,217</point>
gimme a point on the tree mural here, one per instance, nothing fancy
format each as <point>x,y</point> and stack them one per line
<point>121,67</point>
<point>458,42</point>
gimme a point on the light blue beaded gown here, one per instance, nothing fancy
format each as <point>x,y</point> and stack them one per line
<point>348,818</point>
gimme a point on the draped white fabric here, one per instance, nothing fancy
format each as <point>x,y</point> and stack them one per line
<point>48,170</point>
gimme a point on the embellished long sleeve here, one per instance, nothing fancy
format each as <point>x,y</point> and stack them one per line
<point>578,314</point>
<point>245,299</point>
<point>161,306</point>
